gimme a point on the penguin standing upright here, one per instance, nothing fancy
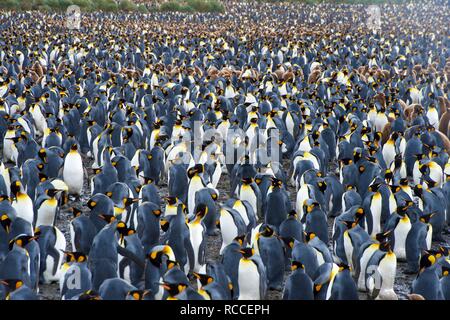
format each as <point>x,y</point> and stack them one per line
<point>251,276</point>
<point>196,183</point>
<point>427,282</point>
<point>73,171</point>
<point>22,202</point>
<point>197,233</point>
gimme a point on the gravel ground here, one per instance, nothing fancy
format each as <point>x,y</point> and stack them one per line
<point>51,291</point>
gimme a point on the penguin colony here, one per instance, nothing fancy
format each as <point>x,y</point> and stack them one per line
<point>93,123</point>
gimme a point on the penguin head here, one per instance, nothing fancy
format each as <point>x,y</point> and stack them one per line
<point>171,201</point>
<point>267,231</point>
<point>309,236</point>
<point>74,147</point>
<point>247,252</point>
<point>202,210</point>
<point>295,265</point>
<point>16,187</point>
<point>388,175</point>
<point>21,241</point>
<point>309,205</point>
<point>157,255</point>
<point>164,224</point>
<point>52,192</point>
<point>292,214</point>
<point>322,185</point>
<point>418,190</point>
<point>137,294</point>
<point>75,256</point>
<point>76,212</point>
<point>12,284</point>
<point>173,288</point>
<point>109,218</point>
<point>374,187</point>
<point>90,295</point>
<point>386,246</point>
<point>343,266</point>
<point>426,217</point>
<point>203,278</point>
<point>198,168</point>
<point>349,224</point>
<point>427,260</point>
<point>247,180</point>
<point>382,236</point>
<point>123,230</point>
<point>276,183</point>
<point>6,222</point>
<point>445,271</point>
<point>239,239</point>
<point>402,209</point>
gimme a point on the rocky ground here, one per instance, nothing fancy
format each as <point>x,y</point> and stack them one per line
<point>51,291</point>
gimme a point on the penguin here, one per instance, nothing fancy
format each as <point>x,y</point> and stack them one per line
<point>178,238</point>
<point>418,240</point>
<point>304,253</point>
<point>252,280</point>
<point>103,255</point>
<point>148,227</point>
<point>245,210</point>
<point>22,203</point>
<point>271,251</point>
<point>73,171</point>
<point>196,183</point>
<point>197,235</point>
<point>315,220</point>
<point>401,227</point>
<point>250,192</point>
<point>75,276</point>
<point>299,285</point>
<point>427,282</point>
<point>231,225</point>
<point>31,247</point>
<point>322,252</point>
<point>156,267</point>
<point>380,273</point>
<point>115,289</point>
<point>344,287</point>
<point>445,282</point>
<point>324,278</point>
<point>208,197</point>
<point>82,231</point>
<point>278,204</point>
<point>209,288</point>
<point>46,208</point>
<point>52,243</point>
<point>17,290</point>
<point>230,260</point>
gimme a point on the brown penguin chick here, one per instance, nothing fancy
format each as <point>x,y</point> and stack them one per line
<point>381,98</point>
<point>412,111</point>
<point>314,76</point>
<point>279,72</point>
<point>38,69</point>
<point>444,123</point>
<point>444,104</point>
<point>415,296</point>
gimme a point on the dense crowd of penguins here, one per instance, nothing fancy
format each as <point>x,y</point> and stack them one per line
<point>99,121</point>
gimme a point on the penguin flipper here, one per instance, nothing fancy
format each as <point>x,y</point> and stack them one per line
<point>190,253</point>
<point>132,256</point>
